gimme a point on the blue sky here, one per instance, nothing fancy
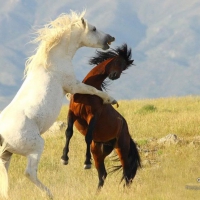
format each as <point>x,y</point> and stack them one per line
<point>163,35</point>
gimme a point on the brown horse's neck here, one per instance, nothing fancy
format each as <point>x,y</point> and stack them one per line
<point>97,75</point>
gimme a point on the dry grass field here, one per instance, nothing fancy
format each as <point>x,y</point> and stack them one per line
<point>169,172</point>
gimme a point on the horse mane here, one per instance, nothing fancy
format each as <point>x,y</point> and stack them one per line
<point>122,52</point>
<point>49,36</point>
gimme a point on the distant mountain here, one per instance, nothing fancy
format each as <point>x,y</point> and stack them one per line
<point>164,37</point>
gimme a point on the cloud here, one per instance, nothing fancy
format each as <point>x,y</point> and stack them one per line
<point>169,34</point>
<point>7,79</point>
<point>8,6</point>
<point>164,36</point>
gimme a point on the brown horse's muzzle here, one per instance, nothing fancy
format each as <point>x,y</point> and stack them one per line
<point>114,75</point>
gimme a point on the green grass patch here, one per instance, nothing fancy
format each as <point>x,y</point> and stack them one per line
<point>149,108</point>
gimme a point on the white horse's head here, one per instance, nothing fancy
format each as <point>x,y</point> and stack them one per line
<point>88,35</point>
<point>66,34</point>
<point>92,37</point>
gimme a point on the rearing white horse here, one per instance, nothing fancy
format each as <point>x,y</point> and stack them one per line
<point>49,75</point>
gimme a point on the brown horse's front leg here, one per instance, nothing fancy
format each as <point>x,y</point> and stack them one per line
<point>88,140</point>
<point>68,134</point>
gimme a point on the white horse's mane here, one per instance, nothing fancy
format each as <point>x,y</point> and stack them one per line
<point>50,36</point>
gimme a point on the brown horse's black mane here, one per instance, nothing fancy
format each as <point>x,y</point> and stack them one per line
<point>122,52</point>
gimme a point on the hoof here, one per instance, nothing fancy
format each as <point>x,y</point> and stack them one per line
<point>115,102</point>
<point>64,162</point>
<point>68,96</point>
<point>87,166</point>
<point>49,195</point>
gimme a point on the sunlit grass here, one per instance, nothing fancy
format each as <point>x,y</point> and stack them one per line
<point>175,165</point>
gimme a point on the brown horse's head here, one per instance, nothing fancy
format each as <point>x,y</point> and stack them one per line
<point>120,62</point>
<point>109,64</point>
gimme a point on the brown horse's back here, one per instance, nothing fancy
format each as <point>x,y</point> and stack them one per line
<point>108,126</point>
<point>110,122</point>
<point>84,107</point>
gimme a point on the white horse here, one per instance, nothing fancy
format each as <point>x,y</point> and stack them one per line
<point>49,75</point>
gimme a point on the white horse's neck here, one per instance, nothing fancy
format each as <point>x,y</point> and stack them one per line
<point>62,54</point>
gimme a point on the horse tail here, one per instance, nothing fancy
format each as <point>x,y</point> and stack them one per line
<point>3,176</point>
<point>134,161</point>
<point>133,158</point>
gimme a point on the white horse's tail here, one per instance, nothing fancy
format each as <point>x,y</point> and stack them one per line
<point>3,175</point>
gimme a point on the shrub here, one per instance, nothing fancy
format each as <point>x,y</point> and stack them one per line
<point>149,108</point>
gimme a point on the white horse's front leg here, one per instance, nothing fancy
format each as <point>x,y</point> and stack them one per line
<point>82,88</point>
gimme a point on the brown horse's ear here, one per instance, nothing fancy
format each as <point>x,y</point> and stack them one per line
<point>130,62</point>
<point>83,22</point>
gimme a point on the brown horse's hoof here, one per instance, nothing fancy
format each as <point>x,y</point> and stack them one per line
<point>64,162</point>
<point>87,166</point>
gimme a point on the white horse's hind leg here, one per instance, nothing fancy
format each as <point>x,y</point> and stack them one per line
<point>5,157</point>
<point>31,170</point>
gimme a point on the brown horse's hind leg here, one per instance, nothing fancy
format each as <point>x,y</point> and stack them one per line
<point>99,152</point>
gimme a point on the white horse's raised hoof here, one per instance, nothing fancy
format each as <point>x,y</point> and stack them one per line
<point>68,96</point>
<point>49,75</point>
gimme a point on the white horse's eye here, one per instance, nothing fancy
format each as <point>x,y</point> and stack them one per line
<point>94,29</point>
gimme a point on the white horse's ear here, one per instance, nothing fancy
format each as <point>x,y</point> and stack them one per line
<point>83,22</point>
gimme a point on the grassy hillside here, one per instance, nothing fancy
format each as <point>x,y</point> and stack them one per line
<point>167,169</point>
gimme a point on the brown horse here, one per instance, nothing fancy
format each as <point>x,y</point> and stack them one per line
<point>103,127</point>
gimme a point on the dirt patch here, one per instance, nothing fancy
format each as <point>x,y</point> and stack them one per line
<point>152,150</point>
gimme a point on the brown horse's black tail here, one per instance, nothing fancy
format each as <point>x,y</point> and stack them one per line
<point>134,161</point>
